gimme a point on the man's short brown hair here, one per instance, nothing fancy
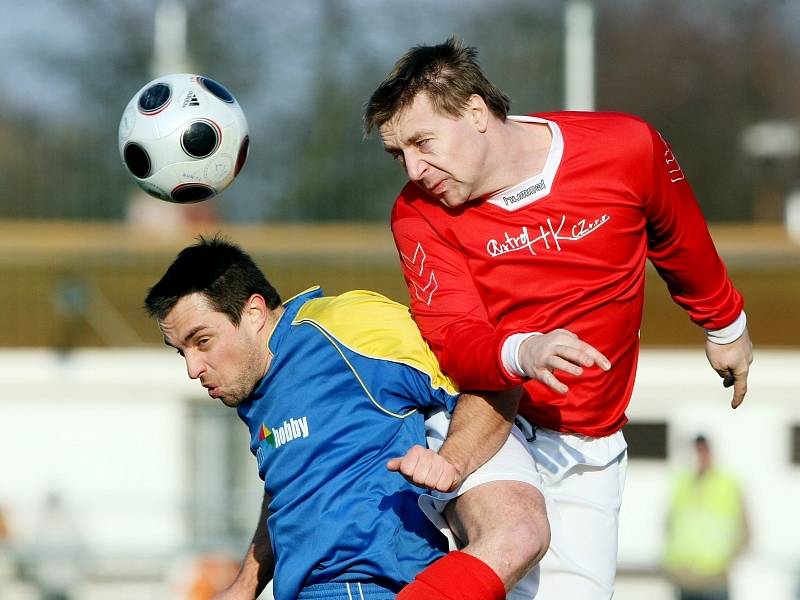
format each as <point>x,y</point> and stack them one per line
<point>448,73</point>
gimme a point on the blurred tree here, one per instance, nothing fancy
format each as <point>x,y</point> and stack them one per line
<point>47,170</point>
<point>73,162</point>
<point>327,164</point>
<point>700,73</point>
<point>522,52</point>
<point>338,176</point>
<point>84,177</point>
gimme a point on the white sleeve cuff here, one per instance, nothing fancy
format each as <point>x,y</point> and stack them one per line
<point>728,334</point>
<point>509,353</point>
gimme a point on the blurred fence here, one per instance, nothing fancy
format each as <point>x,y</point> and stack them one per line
<point>68,285</point>
<point>77,285</point>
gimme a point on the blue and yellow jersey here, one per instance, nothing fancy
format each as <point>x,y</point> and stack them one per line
<point>349,379</point>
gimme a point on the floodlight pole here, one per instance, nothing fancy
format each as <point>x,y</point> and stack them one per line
<point>579,55</point>
<point>169,43</point>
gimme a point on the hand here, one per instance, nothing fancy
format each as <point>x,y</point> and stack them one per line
<point>732,362</point>
<point>426,468</point>
<point>540,355</point>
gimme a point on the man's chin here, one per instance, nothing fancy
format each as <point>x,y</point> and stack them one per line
<point>230,401</point>
<point>441,197</point>
<point>452,201</point>
<point>453,198</point>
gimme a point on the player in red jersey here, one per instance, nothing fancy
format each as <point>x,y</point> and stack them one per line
<point>523,242</point>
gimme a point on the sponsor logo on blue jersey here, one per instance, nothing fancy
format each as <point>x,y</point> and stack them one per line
<point>291,430</point>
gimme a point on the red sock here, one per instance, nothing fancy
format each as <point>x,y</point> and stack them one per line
<point>455,576</point>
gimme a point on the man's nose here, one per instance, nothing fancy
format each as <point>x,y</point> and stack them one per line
<point>194,366</point>
<point>415,167</point>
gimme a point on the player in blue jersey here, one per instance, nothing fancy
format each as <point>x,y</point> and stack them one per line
<point>332,389</point>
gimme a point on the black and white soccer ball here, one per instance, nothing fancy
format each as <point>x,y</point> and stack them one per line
<point>183,138</point>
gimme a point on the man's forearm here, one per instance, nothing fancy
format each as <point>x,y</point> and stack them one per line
<point>479,427</point>
<point>258,565</point>
<point>247,585</point>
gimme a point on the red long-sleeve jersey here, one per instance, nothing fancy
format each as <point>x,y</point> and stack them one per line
<point>565,249</point>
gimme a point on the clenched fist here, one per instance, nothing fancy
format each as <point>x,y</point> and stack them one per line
<point>426,468</point>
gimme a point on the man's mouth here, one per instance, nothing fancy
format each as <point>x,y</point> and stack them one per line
<point>438,188</point>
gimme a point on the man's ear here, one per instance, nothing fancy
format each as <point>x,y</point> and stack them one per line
<point>478,113</point>
<point>256,311</point>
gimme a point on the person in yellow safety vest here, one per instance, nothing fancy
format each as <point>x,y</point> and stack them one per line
<point>706,529</point>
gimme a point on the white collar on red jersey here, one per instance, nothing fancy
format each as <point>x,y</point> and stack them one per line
<point>538,186</point>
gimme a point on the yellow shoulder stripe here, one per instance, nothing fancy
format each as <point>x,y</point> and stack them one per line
<point>374,326</point>
<point>363,385</point>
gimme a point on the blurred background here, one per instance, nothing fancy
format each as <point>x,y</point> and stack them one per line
<point>120,479</point>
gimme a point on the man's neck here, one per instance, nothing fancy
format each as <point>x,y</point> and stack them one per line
<point>517,151</point>
<point>273,316</point>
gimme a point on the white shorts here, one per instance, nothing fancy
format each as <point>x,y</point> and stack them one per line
<point>581,478</point>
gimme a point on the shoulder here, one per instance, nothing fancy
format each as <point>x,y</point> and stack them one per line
<point>615,135</point>
<point>596,120</point>
<point>363,305</point>
<point>411,202</point>
<point>364,321</point>
<point>371,325</point>
<point>417,216</point>
<point>615,125</point>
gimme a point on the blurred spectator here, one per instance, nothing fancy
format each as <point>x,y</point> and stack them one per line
<point>706,529</point>
<point>7,562</point>
<point>57,551</point>
<point>4,533</point>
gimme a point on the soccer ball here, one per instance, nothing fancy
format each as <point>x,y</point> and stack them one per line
<point>183,138</point>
